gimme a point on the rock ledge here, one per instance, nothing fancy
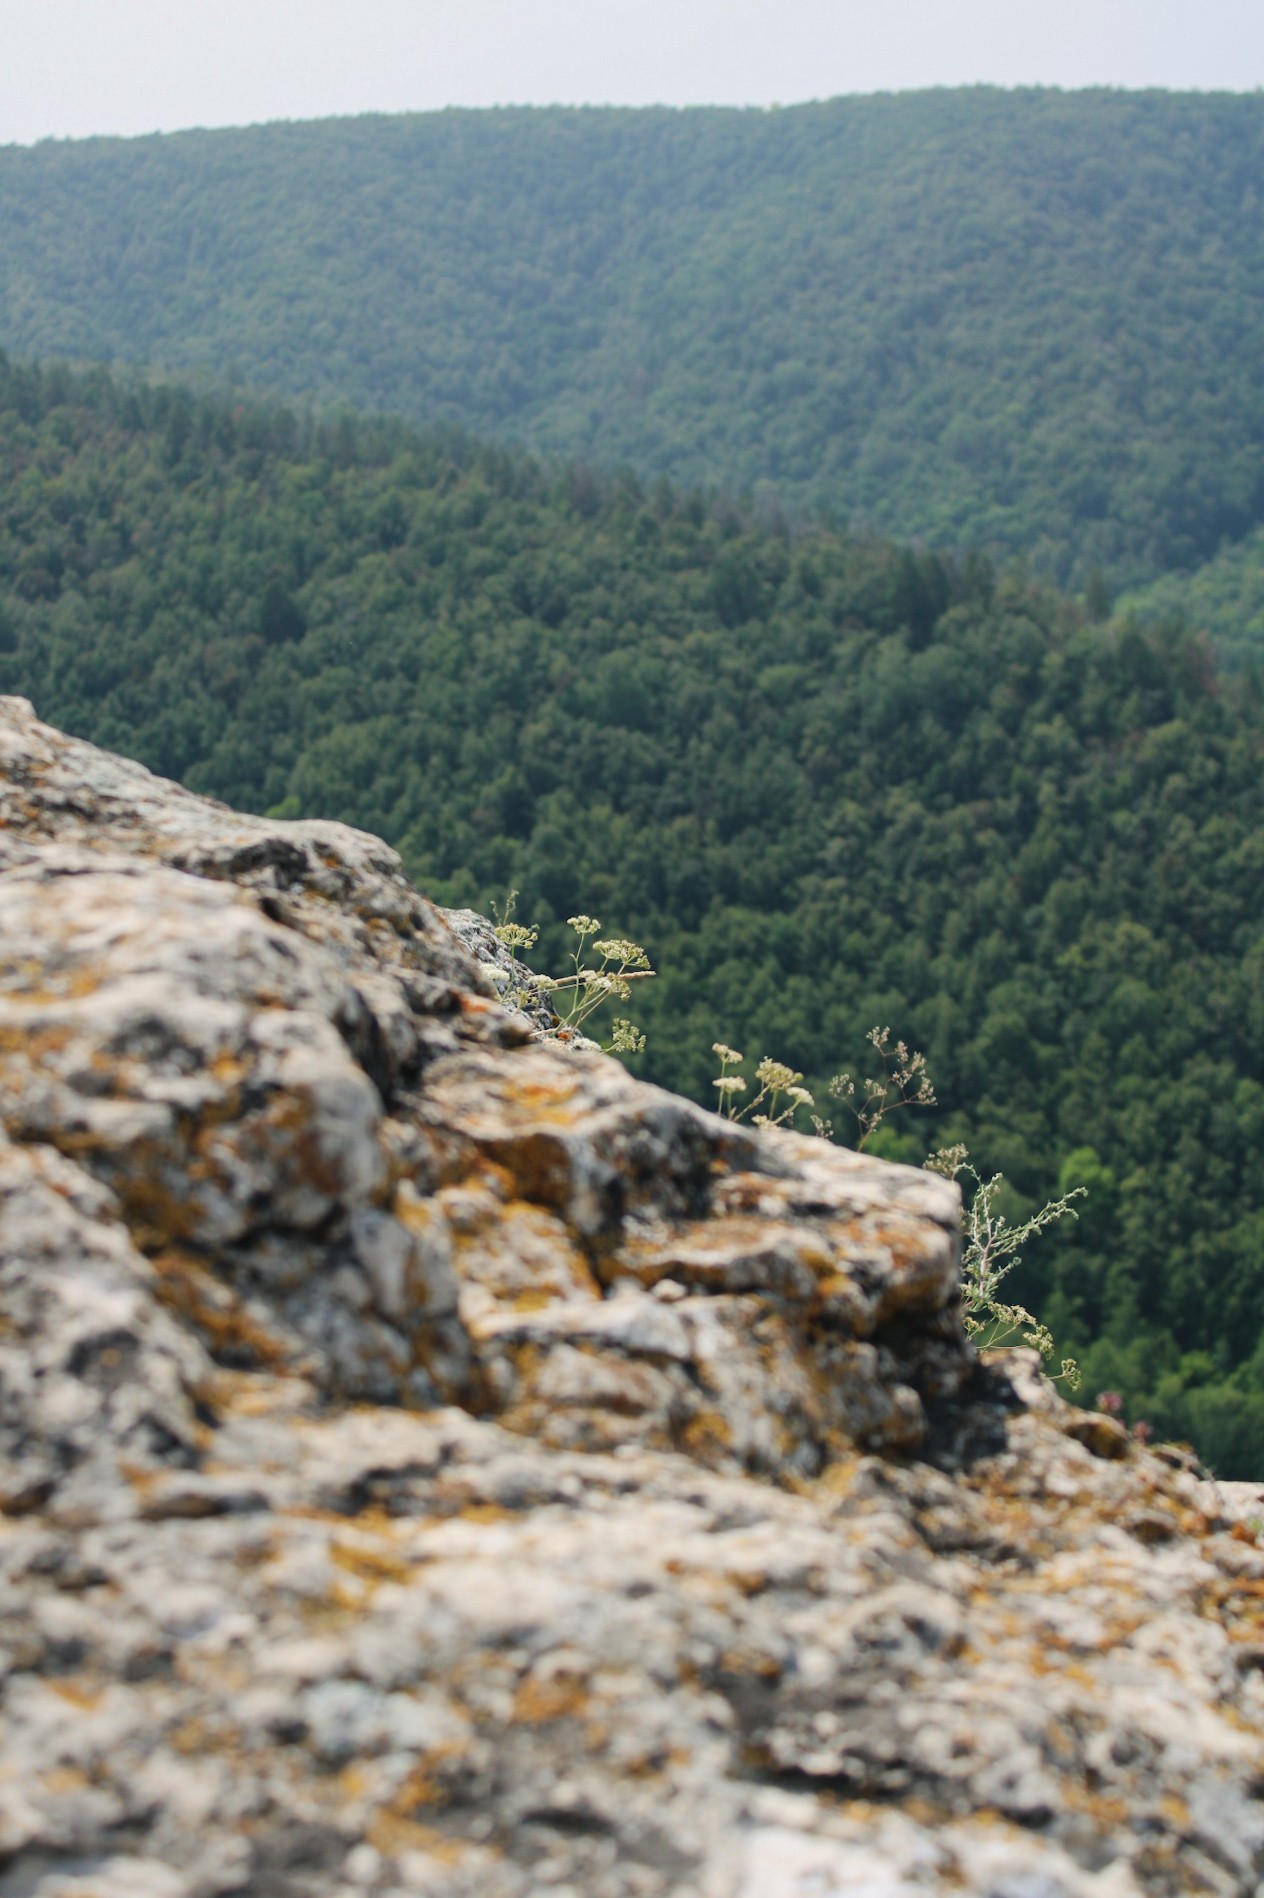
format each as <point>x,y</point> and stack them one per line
<point>431,1460</point>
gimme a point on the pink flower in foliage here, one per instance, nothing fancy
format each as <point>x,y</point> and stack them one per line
<point>1143,1431</point>
<point>1111,1402</point>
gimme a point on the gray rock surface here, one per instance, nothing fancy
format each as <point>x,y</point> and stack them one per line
<point>432,1461</point>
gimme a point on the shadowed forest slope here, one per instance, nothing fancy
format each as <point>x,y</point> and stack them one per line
<point>1021,320</point>
<point>829,782</point>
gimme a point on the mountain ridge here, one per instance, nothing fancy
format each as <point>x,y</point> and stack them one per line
<point>980,318</point>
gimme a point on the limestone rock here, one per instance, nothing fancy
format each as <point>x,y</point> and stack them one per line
<point>433,1461</point>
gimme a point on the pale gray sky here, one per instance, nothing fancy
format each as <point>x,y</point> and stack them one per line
<point>73,67</point>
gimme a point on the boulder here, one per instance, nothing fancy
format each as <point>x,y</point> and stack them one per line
<point>432,1460</point>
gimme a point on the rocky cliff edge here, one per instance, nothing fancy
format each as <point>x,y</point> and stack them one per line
<point>433,1461</point>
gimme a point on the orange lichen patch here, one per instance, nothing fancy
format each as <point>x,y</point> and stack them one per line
<point>838,1296</point>
<point>1248,1649</point>
<point>286,1124</point>
<point>653,1761</point>
<point>157,1214</point>
<point>141,1480</point>
<point>1229,1716</point>
<point>1107,1813</point>
<point>35,983</point>
<point>537,1096</point>
<point>1082,1676</point>
<point>837,1479</point>
<point>1230,1590</point>
<point>391,1833</point>
<point>353,1782</point>
<point>732,1252</point>
<point>252,1555</point>
<point>188,1288</point>
<point>754,1662</point>
<point>34,1047</point>
<point>78,1692</point>
<point>65,1780</point>
<point>257,1394</point>
<point>555,1697</point>
<point>418,1215</point>
<point>534,1300</point>
<point>471,1193</point>
<point>1236,1597</point>
<point>370,1564</point>
<point>518,1252</point>
<point>351,1597</point>
<point>476,1007</point>
<point>512,1108</point>
<point>308,1512</point>
<point>194,1735</point>
<point>750,1193</point>
<point>539,1162</point>
<point>922,1811</point>
<point>333,1613</point>
<point>425,1786</point>
<point>464,1509</point>
<point>747,1582</point>
<point>1175,1810</point>
<point>917,1257</point>
<point>1192,1522</point>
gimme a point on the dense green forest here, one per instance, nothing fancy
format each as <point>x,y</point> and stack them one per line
<point>1023,320</point>
<point>1223,599</point>
<point>829,781</point>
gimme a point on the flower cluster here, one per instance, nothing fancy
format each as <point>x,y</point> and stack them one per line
<point>576,996</point>
<point>781,1087</point>
<point>903,1082</point>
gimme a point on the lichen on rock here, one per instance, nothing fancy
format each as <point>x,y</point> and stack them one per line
<point>434,1460</point>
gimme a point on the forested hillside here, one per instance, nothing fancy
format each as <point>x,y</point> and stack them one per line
<point>1223,599</point>
<point>828,781</point>
<point>1023,320</point>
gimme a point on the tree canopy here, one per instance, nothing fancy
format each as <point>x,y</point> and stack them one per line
<point>1223,599</point>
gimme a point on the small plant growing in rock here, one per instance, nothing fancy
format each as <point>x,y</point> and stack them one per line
<point>576,996</point>
<point>990,1251</point>
<point>781,1087</point>
<point>602,970</point>
<point>991,1245</point>
<point>903,1082</point>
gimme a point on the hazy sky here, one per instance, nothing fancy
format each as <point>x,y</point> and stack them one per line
<point>71,67</point>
